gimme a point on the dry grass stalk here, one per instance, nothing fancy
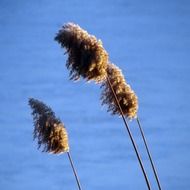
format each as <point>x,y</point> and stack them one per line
<point>125,95</point>
<point>86,56</point>
<point>48,130</point>
<point>149,154</point>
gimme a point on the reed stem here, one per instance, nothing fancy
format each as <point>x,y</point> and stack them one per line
<point>74,171</point>
<point>130,135</point>
<point>149,154</point>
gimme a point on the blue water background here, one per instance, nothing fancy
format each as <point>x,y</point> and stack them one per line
<point>149,40</point>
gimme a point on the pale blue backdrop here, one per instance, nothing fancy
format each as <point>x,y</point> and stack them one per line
<point>149,40</point>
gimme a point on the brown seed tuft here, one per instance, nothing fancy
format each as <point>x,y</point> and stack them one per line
<point>86,56</point>
<point>48,130</point>
<point>126,96</point>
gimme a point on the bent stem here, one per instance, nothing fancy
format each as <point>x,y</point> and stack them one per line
<point>74,171</point>
<point>149,155</point>
<point>130,135</point>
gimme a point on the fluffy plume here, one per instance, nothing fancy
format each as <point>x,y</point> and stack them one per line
<point>126,96</point>
<point>86,56</point>
<point>48,130</point>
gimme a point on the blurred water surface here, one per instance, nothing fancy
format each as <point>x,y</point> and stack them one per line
<point>148,40</point>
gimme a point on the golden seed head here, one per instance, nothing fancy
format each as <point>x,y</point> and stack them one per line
<point>126,96</point>
<point>86,56</point>
<point>48,130</point>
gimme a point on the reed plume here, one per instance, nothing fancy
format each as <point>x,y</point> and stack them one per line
<point>125,95</point>
<point>48,129</point>
<point>88,59</point>
<point>86,56</point>
<point>122,100</point>
<point>50,132</point>
<point>129,132</point>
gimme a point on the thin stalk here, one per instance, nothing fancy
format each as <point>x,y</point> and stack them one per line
<point>74,171</point>
<point>130,135</point>
<point>149,155</point>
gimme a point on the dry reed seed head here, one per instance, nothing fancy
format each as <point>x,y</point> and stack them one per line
<point>48,130</point>
<point>86,56</point>
<point>126,96</point>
